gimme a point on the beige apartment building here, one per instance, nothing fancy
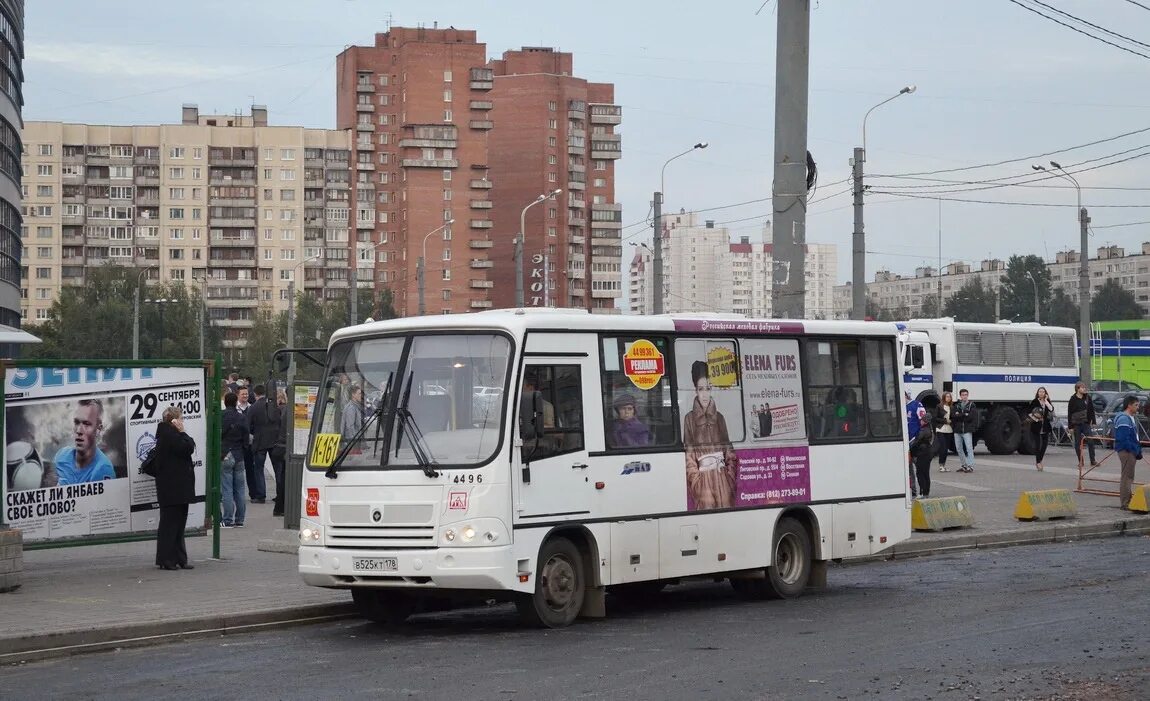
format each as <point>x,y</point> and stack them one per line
<point>703,270</point>
<point>226,203</point>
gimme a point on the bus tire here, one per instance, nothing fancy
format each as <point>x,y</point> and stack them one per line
<point>1003,431</point>
<point>560,587</point>
<point>382,606</point>
<point>790,572</point>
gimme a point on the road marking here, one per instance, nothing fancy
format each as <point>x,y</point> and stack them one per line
<point>960,485</point>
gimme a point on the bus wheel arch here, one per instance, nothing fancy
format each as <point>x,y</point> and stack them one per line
<point>567,583</point>
<point>796,559</point>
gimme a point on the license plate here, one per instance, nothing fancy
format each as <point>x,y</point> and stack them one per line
<point>374,564</point>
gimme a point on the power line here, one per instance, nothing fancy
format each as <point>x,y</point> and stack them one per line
<point>1009,204</point>
<point>1115,226</point>
<point>1144,7</point>
<point>1090,24</point>
<point>1019,160</point>
<point>1076,29</point>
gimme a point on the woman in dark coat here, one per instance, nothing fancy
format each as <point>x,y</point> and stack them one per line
<point>175,489</point>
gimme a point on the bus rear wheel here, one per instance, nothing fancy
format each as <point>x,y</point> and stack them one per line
<point>382,606</point>
<point>560,587</point>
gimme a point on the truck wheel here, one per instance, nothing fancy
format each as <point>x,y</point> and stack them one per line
<point>1003,431</point>
<point>382,606</point>
<point>1026,444</point>
<point>560,586</point>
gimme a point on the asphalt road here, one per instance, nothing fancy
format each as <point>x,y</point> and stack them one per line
<point>1065,621</point>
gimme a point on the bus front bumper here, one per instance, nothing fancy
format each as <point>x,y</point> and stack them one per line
<point>487,568</point>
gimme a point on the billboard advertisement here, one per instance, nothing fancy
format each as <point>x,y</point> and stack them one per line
<point>75,438</point>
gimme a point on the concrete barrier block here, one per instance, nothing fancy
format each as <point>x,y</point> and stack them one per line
<point>1045,504</point>
<point>940,513</point>
<point>1140,500</point>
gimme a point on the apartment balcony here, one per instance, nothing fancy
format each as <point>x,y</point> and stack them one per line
<point>231,262</point>
<point>482,284</point>
<point>576,240</point>
<point>364,165</point>
<point>576,185</point>
<point>606,148</point>
<point>364,107</point>
<point>72,219</point>
<point>146,160</point>
<point>478,264</point>
<point>481,124</point>
<point>369,127</point>
<point>246,223</point>
<point>577,133</point>
<point>144,180</point>
<point>482,104</point>
<point>574,219</point>
<point>606,114</point>
<point>78,198</point>
<point>576,148</point>
<point>233,162</point>
<point>364,145</point>
<point>428,143</point>
<point>481,184</point>
<point>482,79</point>
<point>99,201</point>
<point>337,284</point>
<point>72,260</point>
<point>481,224</point>
<point>95,180</point>
<point>364,225</point>
<point>606,294</point>
<point>72,238</point>
<point>233,242</point>
<point>233,302</point>
<point>365,87</point>
<point>481,304</point>
<point>313,283</point>
<point>481,243</point>
<point>481,204</point>
<point>229,201</point>
<point>97,160</point>
<point>430,163</point>
<point>576,115</point>
<point>338,184</point>
<point>228,180</point>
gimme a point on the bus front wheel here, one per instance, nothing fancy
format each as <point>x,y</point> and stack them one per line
<point>560,586</point>
<point>790,571</point>
<point>383,606</point>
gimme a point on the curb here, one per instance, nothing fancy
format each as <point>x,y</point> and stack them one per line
<point>1051,532</point>
<point>281,541</point>
<point>40,647</point>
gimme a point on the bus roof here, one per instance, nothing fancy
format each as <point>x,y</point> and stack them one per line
<point>1024,327</point>
<point>519,321</point>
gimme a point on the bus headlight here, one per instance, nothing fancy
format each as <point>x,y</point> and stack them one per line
<point>310,534</point>
<point>482,531</point>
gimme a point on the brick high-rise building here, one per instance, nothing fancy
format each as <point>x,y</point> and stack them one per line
<point>419,103</point>
<point>554,131</point>
<point>11,148</point>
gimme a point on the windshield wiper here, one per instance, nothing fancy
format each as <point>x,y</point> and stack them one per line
<point>418,446</point>
<point>376,418</point>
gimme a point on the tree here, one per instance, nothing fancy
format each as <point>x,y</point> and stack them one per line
<point>1113,303</point>
<point>1018,287</point>
<point>95,321</point>
<point>267,335</point>
<point>929,309</point>
<point>973,302</point>
<point>1060,310</point>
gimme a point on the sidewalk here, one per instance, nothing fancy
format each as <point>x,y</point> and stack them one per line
<point>87,597</point>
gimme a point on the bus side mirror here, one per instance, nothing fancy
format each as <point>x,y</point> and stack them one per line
<point>916,358</point>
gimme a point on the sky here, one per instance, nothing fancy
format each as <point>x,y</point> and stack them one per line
<point>993,80</point>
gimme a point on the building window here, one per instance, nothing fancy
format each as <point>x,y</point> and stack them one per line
<point>287,174</point>
<point>176,152</point>
<point>447,273</point>
<point>177,234</point>
<point>177,274</point>
<point>287,154</point>
<point>552,141</point>
<point>552,177</point>
<point>552,160</point>
<point>552,124</point>
<point>43,170</point>
<point>447,295</point>
<point>176,173</point>
<point>447,116</point>
<point>45,149</point>
<point>43,190</point>
<point>447,95</point>
<point>176,213</point>
<point>446,79</point>
<point>175,254</point>
<point>121,172</point>
<point>197,153</point>
<point>447,194</point>
<point>600,165</point>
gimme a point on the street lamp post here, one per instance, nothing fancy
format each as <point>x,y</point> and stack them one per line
<point>136,314</point>
<point>161,303</point>
<point>1035,281</point>
<point>858,247</point>
<point>657,243</point>
<point>421,269</point>
<point>519,242</point>
<point>203,309</point>
<point>1085,371</point>
<point>291,317</point>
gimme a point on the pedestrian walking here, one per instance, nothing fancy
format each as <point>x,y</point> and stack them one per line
<point>1080,415</point>
<point>964,420</point>
<point>264,421</point>
<point>943,430</point>
<point>1128,448</point>
<point>914,412</point>
<point>1040,416</point>
<point>922,451</point>
<point>233,474</point>
<point>175,489</point>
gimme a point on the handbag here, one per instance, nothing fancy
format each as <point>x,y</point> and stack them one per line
<point>1036,415</point>
<point>1078,417</point>
<point>150,465</point>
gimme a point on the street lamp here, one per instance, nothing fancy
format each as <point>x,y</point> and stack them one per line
<point>291,316</point>
<point>657,253</point>
<point>1035,281</point>
<point>858,248</point>
<point>203,308</point>
<point>136,313</point>
<point>421,268</point>
<point>1083,274</point>
<point>161,303</point>
<point>519,242</point>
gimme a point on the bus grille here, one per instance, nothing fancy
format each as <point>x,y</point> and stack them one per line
<point>387,526</point>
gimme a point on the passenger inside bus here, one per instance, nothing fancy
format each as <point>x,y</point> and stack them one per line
<point>628,430</point>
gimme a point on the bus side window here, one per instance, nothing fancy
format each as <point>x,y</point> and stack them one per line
<point>634,418</point>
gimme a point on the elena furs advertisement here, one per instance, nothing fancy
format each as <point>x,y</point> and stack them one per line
<point>74,441</point>
<point>750,395</point>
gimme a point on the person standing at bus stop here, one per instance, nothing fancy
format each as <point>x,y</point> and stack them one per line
<point>1080,414</point>
<point>964,420</point>
<point>1128,448</point>
<point>711,460</point>
<point>915,411</point>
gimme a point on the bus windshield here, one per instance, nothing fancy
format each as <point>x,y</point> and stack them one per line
<point>451,388</point>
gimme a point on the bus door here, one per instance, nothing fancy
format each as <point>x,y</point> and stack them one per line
<point>553,475</point>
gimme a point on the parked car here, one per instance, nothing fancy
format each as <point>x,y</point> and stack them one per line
<point>1106,419</point>
<point>1102,399</point>
<point>1116,386</point>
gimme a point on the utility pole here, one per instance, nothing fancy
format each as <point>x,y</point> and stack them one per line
<point>519,270</point>
<point>858,241</point>
<point>657,257</point>
<point>355,291</point>
<point>291,330</point>
<point>788,230</point>
<point>1085,371</point>
<point>420,279</point>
